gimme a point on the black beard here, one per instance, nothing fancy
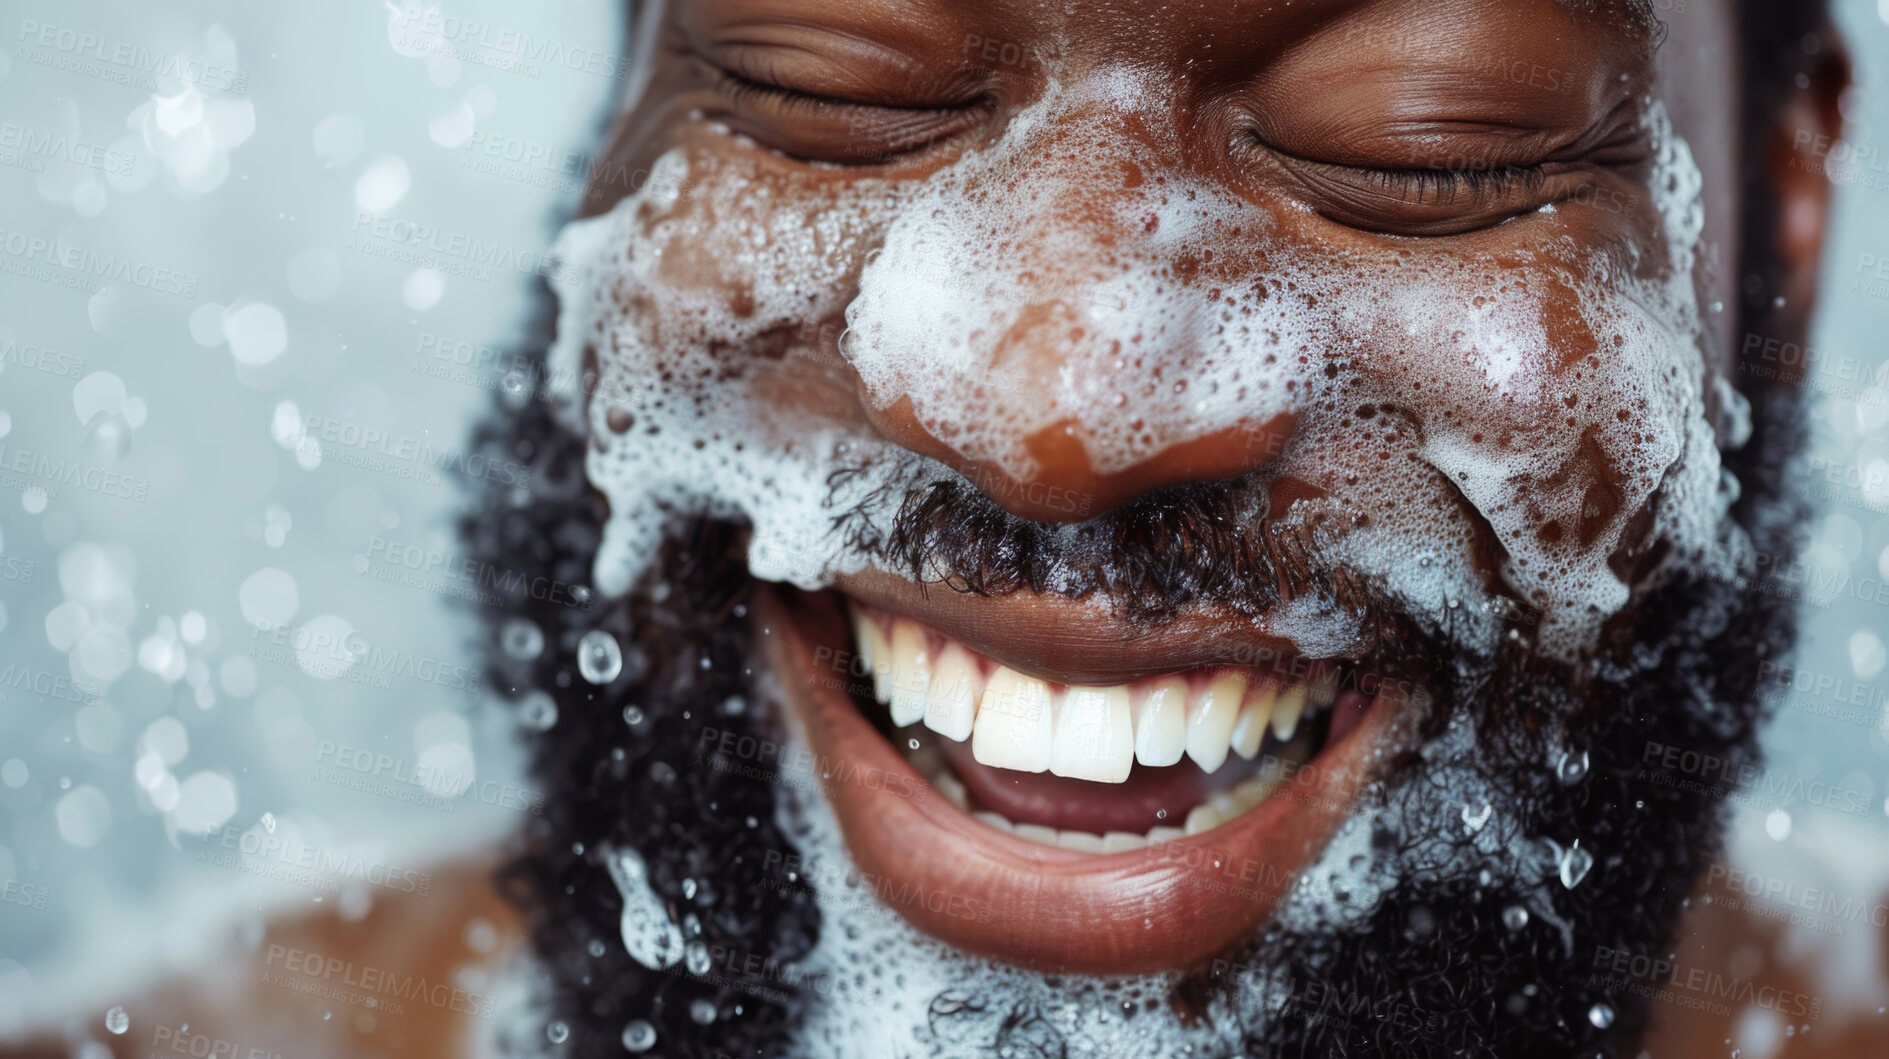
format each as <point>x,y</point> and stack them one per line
<point>1431,970</point>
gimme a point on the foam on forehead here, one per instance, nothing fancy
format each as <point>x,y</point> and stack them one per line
<point>1072,235</point>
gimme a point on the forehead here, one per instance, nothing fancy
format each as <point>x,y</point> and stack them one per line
<point>1201,33</point>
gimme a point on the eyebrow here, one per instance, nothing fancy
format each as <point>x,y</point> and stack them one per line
<point>1639,14</point>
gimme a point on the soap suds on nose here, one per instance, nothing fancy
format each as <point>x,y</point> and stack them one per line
<point>958,273</point>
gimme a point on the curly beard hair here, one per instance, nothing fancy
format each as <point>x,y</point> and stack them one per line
<point>1432,969</point>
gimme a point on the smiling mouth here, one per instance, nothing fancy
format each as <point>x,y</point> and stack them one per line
<point>1044,815</point>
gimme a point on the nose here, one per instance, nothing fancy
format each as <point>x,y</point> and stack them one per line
<point>1043,320</point>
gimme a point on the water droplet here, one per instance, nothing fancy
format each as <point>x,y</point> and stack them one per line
<point>596,948</point>
<point>1777,824</point>
<point>1572,768</point>
<point>520,639</point>
<point>538,711</point>
<point>1601,1016</point>
<point>696,955</point>
<point>1575,864</point>
<point>108,437</point>
<point>702,1010</point>
<point>639,1036</point>
<point>1515,917</point>
<point>1473,819</point>
<point>599,659</point>
<point>117,1021</point>
<point>632,716</point>
<point>557,1033</point>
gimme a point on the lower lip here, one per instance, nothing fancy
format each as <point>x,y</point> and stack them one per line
<point>1168,906</point>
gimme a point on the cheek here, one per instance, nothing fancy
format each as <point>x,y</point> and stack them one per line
<point>709,304</point>
<point>1512,419</point>
<point>739,262</point>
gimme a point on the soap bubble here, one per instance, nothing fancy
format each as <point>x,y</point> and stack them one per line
<point>520,639</point>
<point>599,659</point>
<point>382,185</point>
<point>269,598</point>
<point>257,333</point>
<point>83,816</point>
<point>639,1036</point>
<point>538,711</point>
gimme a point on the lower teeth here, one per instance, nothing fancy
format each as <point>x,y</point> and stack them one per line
<point>1219,807</point>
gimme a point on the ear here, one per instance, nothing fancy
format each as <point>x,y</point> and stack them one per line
<point>1808,126</point>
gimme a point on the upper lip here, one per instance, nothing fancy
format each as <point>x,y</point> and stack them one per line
<point>1072,641</point>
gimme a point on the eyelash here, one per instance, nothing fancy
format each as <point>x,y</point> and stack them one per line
<point>1442,186</point>
<point>741,89</point>
<point>1430,187</point>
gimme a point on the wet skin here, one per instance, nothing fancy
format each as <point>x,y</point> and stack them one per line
<point>1431,131</point>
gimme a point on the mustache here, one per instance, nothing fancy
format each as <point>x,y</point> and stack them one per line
<point>1204,545</point>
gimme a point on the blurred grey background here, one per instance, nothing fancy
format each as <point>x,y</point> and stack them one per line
<point>259,267</point>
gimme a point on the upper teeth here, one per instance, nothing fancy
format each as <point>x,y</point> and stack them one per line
<point>1015,721</point>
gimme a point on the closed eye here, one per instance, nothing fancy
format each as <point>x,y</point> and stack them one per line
<point>822,127</point>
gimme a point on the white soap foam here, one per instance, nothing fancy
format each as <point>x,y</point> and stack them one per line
<point>684,422</point>
<point>649,936</point>
<point>902,972</point>
<point>1072,232</point>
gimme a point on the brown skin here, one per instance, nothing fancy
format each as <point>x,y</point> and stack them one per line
<point>1314,114</point>
<point>1196,44</point>
<point>1295,107</point>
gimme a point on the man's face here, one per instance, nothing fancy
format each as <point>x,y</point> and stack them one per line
<point>1191,430</point>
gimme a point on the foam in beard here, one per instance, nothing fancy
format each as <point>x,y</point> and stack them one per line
<point>874,977</point>
<point>1152,346</point>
